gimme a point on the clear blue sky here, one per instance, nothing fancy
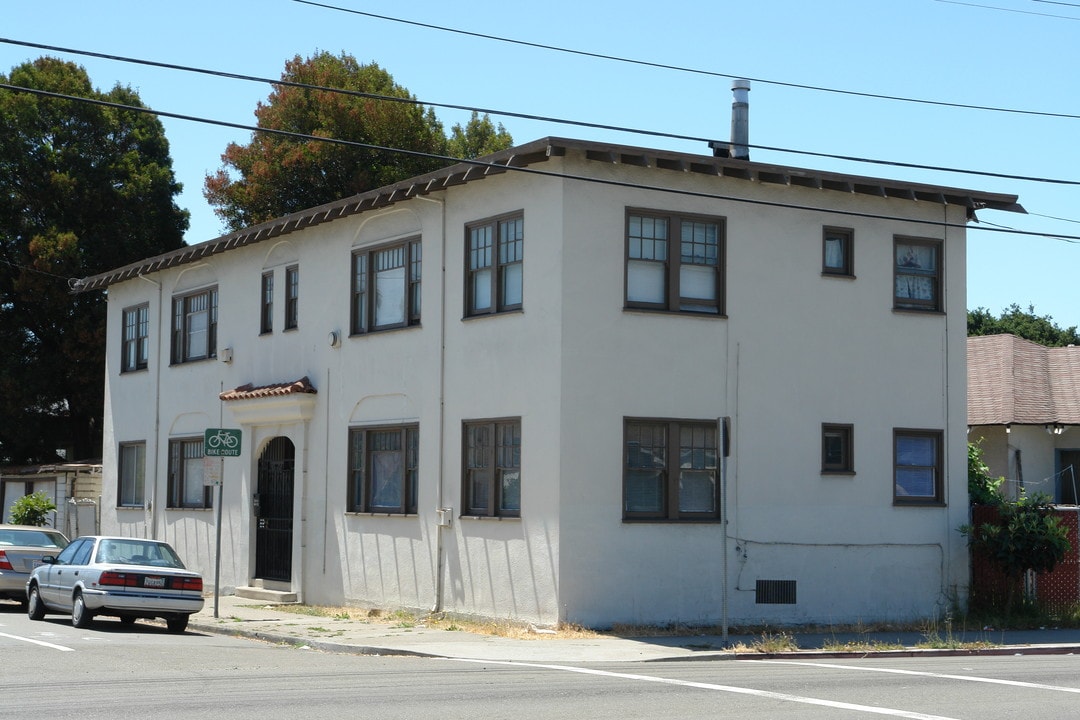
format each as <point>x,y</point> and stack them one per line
<point>1021,54</point>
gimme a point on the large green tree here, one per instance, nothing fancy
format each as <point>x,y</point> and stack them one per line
<point>83,188</point>
<point>1022,323</point>
<point>275,175</point>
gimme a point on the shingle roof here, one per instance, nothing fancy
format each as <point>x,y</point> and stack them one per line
<point>1016,381</point>
<point>520,158</point>
<point>249,391</point>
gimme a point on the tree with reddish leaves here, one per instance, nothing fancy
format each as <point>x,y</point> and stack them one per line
<point>275,175</point>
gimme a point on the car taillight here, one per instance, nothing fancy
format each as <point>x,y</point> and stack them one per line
<point>111,577</point>
<point>5,564</point>
<point>187,584</point>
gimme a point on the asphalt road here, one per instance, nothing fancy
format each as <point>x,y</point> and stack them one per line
<point>52,670</point>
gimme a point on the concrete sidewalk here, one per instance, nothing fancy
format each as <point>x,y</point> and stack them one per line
<point>272,623</point>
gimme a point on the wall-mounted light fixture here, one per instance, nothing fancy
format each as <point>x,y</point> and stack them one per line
<point>226,355</point>
<point>333,339</point>
<point>1008,429</point>
<point>1055,429</point>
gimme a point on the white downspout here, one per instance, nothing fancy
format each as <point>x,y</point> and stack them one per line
<point>443,514</point>
<point>164,321</point>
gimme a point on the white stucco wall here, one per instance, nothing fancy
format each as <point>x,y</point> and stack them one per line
<point>796,350</point>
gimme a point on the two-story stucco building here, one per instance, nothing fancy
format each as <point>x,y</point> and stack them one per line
<point>499,389</point>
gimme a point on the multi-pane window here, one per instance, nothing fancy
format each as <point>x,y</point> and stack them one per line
<point>492,468</point>
<point>670,470</point>
<point>386,287</point>
<point>292,297</point>
<point>186,487</point>
<point>837,249</point>
<point>194,327</point>
<point>495,254</point>
<point>135,353</point>
<point>917,467</point>
<point>917,274</point>
<point>132,475</point>
<point>675,262</point>
<point>266,305</point>
<point>384,469</point>
<point>836,449</point>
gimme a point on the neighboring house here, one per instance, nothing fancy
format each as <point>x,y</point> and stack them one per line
<point>75,489</point>
<point>1024,409</point>
<point>496,390</point>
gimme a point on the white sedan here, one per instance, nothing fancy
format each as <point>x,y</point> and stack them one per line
<point>124,577</point>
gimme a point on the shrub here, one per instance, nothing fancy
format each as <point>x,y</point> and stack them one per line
<point>32,509</point>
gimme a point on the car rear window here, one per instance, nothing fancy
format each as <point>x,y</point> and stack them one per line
<point>137,552</point>
<point>32,538</point>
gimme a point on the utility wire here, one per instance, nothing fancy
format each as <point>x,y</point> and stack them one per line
<point>526,116</point>
<point>527,170</point>
<point>697,71</point>
<point>1001,9</point>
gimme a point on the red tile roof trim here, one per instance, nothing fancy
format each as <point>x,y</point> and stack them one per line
<point>250,392</point>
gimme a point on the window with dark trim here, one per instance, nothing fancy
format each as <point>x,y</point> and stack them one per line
<point>674,262</point>
<point>492,468</point>
<point>385,287</point>
<point>266,305</point>
<point>495,254</point>
<point>131,478</point>
<point>917,274</point>
<point>918,476</point>
<point>135,353</point>
<point>670,470</point>
<point>837,247</point>
<point>837,449</point>
<point>194,327</point>
<point>186,488</point>
<point>384,469</point>
<point>292,297</point>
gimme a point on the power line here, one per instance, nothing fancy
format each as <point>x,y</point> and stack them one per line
<point>696,71</point>
<point>1012,10</point>
<point>527,116</point>
<point>527,170</point>
<point>1052,2</point>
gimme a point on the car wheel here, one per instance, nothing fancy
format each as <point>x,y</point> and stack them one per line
<point>80,616</point>
<point>177,624</point>
<point>35,609</point>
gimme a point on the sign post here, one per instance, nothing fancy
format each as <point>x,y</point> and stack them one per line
<point>219,443</point>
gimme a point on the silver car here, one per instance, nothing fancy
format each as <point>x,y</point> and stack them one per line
<point>21,548</point>
<point>123,577</point>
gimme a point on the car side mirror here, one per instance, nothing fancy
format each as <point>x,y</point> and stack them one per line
<point>48,559</point>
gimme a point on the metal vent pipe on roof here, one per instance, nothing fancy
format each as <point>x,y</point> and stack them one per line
<point>740,120</point>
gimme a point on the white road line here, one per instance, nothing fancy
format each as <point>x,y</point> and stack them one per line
<point>722,688</point>
<point>38,642</point>
<point>895,671</point>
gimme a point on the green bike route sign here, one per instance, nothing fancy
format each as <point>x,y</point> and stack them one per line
<point>221,442</point>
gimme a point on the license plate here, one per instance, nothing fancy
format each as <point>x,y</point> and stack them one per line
<point>158,582</point>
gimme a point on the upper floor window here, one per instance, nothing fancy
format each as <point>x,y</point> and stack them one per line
<point>917,467</point>
<point>266,313</point>
<point>194,328</point>
<point>383,469</point>
<point>917,274</point>
<point>670,470</point>
<point>836,449</point>
<point>292,296</point>
<point>132,475</point>
<point>492,472</point>
<point>136,348</point>
<point>495,254</point>
<point>675,262</point>
<point>837,250</point>
<point>186,487</point>
<point>386,287</point>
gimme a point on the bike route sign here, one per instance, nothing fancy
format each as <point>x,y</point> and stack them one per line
<point>221,442</point>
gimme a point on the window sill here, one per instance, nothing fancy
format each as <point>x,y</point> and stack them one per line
<point>500,313</point>
<point>917,311</point>
<point>674,313</point>
<point>838,473</point>
<point>189,509</point>
<point>131,507</point>
<point>132,371</point>
<point>364,513</point>
<point>497,518</point>
<point>380,331</point>
<point>919,504</point>
<point>669,521</point>
<point>838,275</point>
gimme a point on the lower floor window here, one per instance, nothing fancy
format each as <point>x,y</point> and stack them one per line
<point>186,486</point>
<point>131,492</point>
<point>383,469</point>
<point>917,467</point>
<point>492,472</point>
<point>670,470</point>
